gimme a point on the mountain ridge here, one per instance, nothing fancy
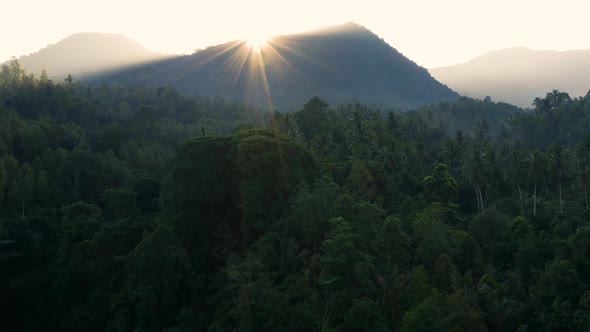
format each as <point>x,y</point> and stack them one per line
<point>84,54</point>
<point>517,75</point>
<point>338,63</point>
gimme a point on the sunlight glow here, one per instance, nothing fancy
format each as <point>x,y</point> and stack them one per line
<point>524,23</point>
<point>257,43</point>
<point>250,60</point>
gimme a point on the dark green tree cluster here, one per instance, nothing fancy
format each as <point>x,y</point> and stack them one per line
<point>80,176</point>
<point>143,210</point>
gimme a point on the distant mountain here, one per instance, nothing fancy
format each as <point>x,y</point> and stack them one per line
<point>339,63</point>
<point>518,75</point>
<point>86,54</point>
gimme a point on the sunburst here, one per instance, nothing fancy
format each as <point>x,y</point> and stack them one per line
<point>257,43</point>
<point>248,61</point>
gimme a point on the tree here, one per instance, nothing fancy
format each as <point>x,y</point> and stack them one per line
<point>558,280</point>
<point>246,181</point>
<point>513,172</point>
<point>69,81</point>
<point>312,118</point>
<point>474,170</point>
<point>554,101</point>
<point>160,283</point>
<point>490,229</point>
<point>497,306</point>
<point>321,146</point>
<point>44,78</point>
<point>3,181</point>
<point>360,137</point>
<point>361,183</point>
<point>442,313</point>
<point>559,159</point>
<point>287,123</point>
<point>536,170</point>
<point>583,161</point>
<point>121,203</point>
<point>579,243</point>
<point>346,272</point>
<point>440,186</point>
<point>312,210</point>
<point>433,236</point>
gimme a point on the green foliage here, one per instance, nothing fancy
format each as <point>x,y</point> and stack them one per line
<point>160,284</point>
<point>361,183</point>
<point>120,203</point>
<point>143,210</point>
<point>433,236</point>
<point>442,313</point>
<point>241,183</point>
<point>440,186</point>
<point>490,229</point>
<point>312,117</point>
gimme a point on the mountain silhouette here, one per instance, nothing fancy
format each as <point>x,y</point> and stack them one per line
<point>86,54</point>
<point>340,63</point>
<point>518,75</point>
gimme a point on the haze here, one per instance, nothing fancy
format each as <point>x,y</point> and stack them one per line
<point>519,75</point>
<point>432,33</point>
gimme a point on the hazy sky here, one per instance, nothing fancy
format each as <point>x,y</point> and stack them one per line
<point>431,32</point>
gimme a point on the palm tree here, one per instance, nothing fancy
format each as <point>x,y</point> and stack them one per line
<point>559,158</point>
<point>392,124</point>
<point>583,159</point>
<point>513,173</point>
<point>460,137</point>
<point>321,145</point>
<point>451,150</point>
<point>474,172</point>
<point>360,137</point>
<point>537,167</point>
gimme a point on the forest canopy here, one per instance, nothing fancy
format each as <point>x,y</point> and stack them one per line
<point>136,209</point>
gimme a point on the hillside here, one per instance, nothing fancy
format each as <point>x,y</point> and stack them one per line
<point>518,75</point>
<point>86,54</point>
<point>338,63</point>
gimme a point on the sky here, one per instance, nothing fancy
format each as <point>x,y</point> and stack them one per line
<point>433,33</point>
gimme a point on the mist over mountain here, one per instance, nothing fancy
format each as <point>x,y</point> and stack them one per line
<point>338,63</point>
<point>86,54</point>
<point>518,75</point>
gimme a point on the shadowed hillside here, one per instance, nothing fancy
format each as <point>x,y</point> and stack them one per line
<point>339,63</point>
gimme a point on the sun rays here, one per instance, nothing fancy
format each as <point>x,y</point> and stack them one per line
<point>248,63</point>
<point>257,43</point>
<point>248,68</point>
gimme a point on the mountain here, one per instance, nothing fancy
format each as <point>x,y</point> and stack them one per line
<point>86,54</point>
<point>518,75</point>
<point>338,63</point>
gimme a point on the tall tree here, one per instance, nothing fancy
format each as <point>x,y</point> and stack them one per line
<point>559,162</point>
<point>513,172</point>
<point>537,167</point>
<point>440,186</point>
<point>583,160</point>
<point>360,136</point>
<point>474,168</point>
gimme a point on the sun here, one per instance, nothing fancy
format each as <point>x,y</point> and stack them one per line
<point>257,43</point>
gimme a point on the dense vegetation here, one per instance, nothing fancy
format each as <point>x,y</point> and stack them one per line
<point>128,209</point>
